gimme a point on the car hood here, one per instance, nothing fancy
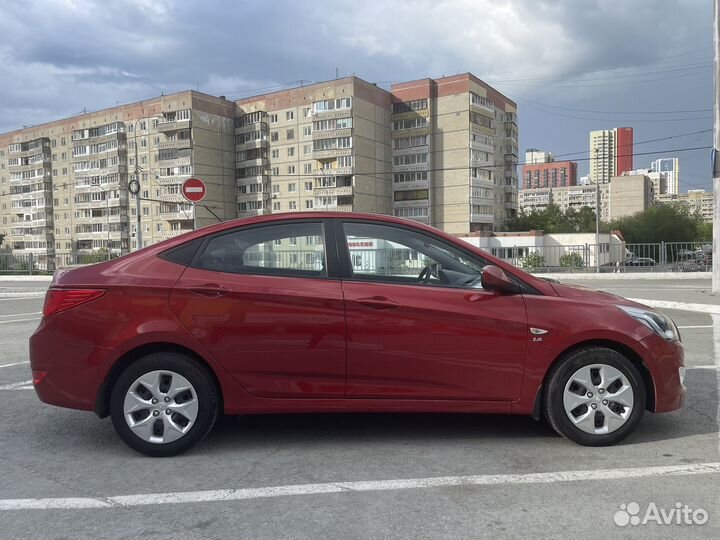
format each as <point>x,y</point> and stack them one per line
<point>579,292</point>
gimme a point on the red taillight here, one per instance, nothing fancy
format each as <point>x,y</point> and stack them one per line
<point>57,300</point>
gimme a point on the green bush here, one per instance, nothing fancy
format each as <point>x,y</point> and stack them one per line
<point>532,260</point>
<point>572,260</point>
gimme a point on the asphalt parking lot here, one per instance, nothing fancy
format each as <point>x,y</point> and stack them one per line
<point>501,474</point>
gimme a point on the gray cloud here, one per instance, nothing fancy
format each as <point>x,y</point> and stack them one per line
<point>553,56</point>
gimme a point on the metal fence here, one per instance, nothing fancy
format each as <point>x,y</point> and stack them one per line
<point>585,258</point>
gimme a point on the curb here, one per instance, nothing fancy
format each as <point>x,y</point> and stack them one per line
<point>710,309</point>
<point>8,277</point>
<point>629,275</point>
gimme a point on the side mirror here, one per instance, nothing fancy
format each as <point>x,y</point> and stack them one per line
<point>495,279</point>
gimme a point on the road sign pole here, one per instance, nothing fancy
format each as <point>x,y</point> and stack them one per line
<point>194,216</point>
<point>715,153</point>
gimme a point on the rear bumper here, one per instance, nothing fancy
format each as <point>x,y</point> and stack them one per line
<point>73,372</point>
<point>666,359</point>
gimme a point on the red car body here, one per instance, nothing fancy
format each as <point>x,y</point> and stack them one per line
<point>294,344</point>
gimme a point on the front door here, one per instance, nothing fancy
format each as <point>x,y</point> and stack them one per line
<point>419,324</point>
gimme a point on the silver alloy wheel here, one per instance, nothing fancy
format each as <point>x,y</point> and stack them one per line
<point>598,399</point>
<point>160,406</point>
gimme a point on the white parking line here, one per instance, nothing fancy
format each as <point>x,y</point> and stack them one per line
<point>15,364</point>
<point>695,326</point>
<point>21,295</point>
<point>682,306</point>
<point>21,320</point>
<point>20,314</point>
<point>243,494</point>
<point>23,385</point>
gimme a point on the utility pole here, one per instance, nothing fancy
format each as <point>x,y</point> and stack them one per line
<point>138,217</point>
<point>597,215</point>
<point>716,158</point>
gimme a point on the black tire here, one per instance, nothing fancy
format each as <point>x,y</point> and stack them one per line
<point>196,374</point>
<point>559,376</point>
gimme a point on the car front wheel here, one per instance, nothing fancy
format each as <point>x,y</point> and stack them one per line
<point>595,397</point>
<point>163,404</point>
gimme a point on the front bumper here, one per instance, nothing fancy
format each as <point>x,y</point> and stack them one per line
<point>664,361</point>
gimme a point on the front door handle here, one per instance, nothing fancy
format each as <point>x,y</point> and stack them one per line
<point>378,302</point>
<point>209,289</point>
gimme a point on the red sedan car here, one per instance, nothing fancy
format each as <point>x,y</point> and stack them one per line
<point>342,312</point>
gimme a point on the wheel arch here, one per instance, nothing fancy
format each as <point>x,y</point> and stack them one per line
<point>621,348</point>
<point>102,400</point>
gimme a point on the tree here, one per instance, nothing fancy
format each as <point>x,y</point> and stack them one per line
<point>572,260</point>
<point>668,223</point>
<point>553,220</point>
<point>2,238</point>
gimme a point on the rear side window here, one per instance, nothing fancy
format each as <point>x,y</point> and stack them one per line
<point>184,253</point>
<point>291,249</point>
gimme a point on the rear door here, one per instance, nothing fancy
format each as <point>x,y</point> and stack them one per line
<point>262,301</point>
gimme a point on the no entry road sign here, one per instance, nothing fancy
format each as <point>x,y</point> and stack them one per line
<point>194,189</point>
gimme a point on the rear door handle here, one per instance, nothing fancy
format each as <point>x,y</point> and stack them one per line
<point>378,302</point>
<point>210,290</point>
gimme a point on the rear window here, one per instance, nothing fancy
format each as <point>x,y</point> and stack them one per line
<point>184,253</point>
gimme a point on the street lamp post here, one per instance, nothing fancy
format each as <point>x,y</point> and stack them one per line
<point>597,216</point>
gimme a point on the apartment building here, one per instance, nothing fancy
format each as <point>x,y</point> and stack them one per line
<point>455,152</point>
<point>571,197</point>
<point>549,174</point>
<point>622,196</point>
<point>659,179</point>
<point>320,147</point>
<point>64,185</point>
<point>698,201</point>
<point>439,151</point>
<point>611,153</point>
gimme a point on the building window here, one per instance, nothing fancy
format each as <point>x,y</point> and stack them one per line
<point>291,151</point>
<point>307,149</point>
<point>275,153</point>
<point>275,171</point>
<point>276,205</point>
<point>289,115</point>
<point>307,131</point>
<point>308,186</point>
<point>291,169</point>
<point>273,118</point>
<point>292,188</point>
<point>292,205</point>
<point>290,134</point>
<point>274,136</point>
<point>306,112</point>
<point>308,204</point>
<point>307,168</point>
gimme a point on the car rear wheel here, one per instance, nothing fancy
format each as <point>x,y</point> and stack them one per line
<point>163,404</point>
<point>595,397</point>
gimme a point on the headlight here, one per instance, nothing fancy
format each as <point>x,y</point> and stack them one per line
<point>662,325</point>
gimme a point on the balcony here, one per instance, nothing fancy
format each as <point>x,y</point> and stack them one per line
<point>420,203</point>
<point>331,153</point>
<point>261,126</point>
<point>338,208</point>
<point>329,115</point>
<point>477,145</point>
<point>408,115</point>
<point>424,149</point>
<point>332,133</point>
<point>173,179</point>
<point>413,167</point>
<point>407,186</point>
<point>168,126</point>
<point>176,162</point>
<point>177,216</point>
<point>245,197</point>
<point>338,171</point>
<point>249,145</point>
<point>332,191</point>
<point>179,143</point>
<point>483,109</point>
<point>251,213</point>
<point>263,162</point>
<point>511,205</point>
<point>172,234</point>
<point>30,166</point>
<point>410,132</point>
<point>482,218</point>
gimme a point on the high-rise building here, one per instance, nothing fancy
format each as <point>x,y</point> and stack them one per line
<point>671,168</point>
<point>552,174</point>
<point>629,195</point>
<point>698,201</point>
<point>533,156</point>
<point>440,151</point>
<point>455,154</point>
<point>611,153</point>
<point>566,198</point>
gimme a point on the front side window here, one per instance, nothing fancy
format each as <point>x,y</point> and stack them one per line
<point>397,255</point>
<point>273,249</point>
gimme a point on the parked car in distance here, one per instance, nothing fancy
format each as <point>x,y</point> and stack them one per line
<point>342,312</point>
<point>639,261</point>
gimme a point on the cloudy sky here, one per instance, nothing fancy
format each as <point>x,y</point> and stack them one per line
<point>571,65</point>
